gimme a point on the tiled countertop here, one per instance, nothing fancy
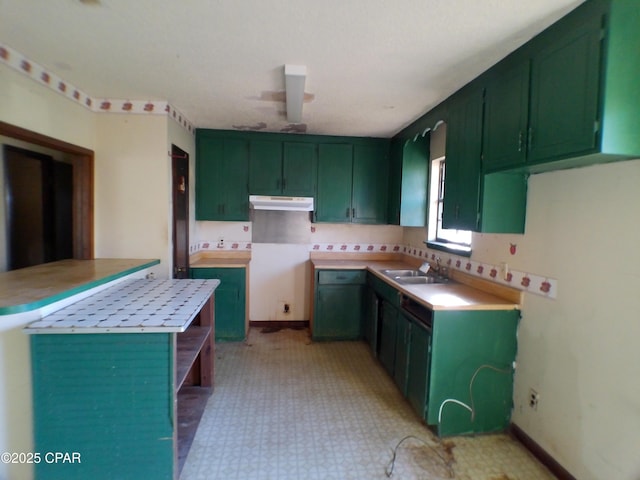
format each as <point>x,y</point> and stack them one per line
<point>132,306</point>
<point>31,288</point>
<point>464,293</point>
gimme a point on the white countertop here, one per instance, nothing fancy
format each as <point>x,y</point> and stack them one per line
<point>133,306</point>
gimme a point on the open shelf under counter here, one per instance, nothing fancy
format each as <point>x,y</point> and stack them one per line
<point>134,362</point>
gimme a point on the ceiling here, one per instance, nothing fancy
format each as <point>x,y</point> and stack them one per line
<point>373,66</point>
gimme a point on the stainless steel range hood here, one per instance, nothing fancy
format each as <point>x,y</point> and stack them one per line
<point>266,202</point>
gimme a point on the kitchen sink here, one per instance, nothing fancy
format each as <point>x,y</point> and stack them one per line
<point>418,280</point>
<point>414,277</point>
<point>403,273</point>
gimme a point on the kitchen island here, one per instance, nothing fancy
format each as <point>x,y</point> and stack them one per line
<point>121,378</point>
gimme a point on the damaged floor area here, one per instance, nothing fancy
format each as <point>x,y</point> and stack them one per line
<point>286,408</point>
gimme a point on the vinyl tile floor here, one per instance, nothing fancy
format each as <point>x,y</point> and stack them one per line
<point>286,408</point>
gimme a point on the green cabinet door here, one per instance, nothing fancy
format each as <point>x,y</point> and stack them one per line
<point>506,115</point>
<point>265,167</point>
<point>387,348</point>
<point>339,304</point>
<point>222,174</point>
<point>403,339</point>
<point>565,74</point>
<point>209,196</point>
<point>463,151</point>
<point>418,367</point>
<point>371,319</point>
<point>370,183</point>
<point>230,301</point>
<point>334,183</point>
<point>414,183</point>
<point>471,362</point>
<point>299,168</point>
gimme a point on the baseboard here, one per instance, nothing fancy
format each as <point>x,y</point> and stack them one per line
<point>540,453</point>
<point>279,323</point>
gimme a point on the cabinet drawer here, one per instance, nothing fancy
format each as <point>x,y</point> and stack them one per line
<point>342,277</point>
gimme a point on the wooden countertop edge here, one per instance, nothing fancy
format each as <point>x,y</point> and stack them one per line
<point>225,258</point>
<point>38,300</point>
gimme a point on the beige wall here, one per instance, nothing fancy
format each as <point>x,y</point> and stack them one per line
<point>132,189</point>
<point>581,351</point>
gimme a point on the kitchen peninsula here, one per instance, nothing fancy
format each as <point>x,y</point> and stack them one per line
<point>121,365</point>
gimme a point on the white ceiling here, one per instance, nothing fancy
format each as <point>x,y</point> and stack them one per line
<point>374,66</point>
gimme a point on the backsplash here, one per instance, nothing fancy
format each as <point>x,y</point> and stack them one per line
<point>526,281</point>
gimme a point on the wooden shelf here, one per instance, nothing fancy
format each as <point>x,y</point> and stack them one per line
<point>191,403</point>
<point>189,345</point>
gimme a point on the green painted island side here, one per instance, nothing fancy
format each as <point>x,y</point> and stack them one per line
<point>56,281</point>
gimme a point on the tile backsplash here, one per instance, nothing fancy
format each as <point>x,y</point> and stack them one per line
<point>526,281</point>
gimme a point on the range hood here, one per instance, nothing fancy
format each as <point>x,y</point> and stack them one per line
<point>295,204</point>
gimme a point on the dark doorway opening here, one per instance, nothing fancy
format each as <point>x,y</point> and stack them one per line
<point>82,160</point>
<point>38,201</point>
<point>180,195</point>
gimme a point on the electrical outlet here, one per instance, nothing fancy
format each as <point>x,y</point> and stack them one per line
<point>221,242</point>
<point>534,398</point>
<point>284,307</point>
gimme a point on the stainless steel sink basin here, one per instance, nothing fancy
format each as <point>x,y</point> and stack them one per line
<point>414,277</point>
<point>421,280</point>
<point>403,273</point>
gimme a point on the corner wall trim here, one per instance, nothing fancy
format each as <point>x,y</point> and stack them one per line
<point>540,453</point>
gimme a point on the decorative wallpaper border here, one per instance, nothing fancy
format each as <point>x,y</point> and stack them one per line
<point>39,74</point>
<point>528,282</point>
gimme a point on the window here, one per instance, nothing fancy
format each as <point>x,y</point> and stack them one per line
<point>457,241</point>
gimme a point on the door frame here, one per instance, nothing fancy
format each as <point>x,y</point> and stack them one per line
<point>83,184</point>
<point>179,186</point>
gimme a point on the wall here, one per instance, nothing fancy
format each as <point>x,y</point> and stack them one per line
<point>28,105</point>
<point>132,189</point>
<point>580,351</point>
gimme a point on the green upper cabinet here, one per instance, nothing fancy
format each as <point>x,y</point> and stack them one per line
<point>299,169</point>
<point>352,183</point>
<point>370,183</point>
<point>222,169</point>
<point>265,167</point>
<point>506,115</point>
<point>462,164</point>
<point>335,170</point>
<point>278,168</point>
<point>564,90</point>
<point>409,177</point>
<point>570,97</point>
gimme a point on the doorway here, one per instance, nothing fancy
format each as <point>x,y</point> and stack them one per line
<point>38,205</point>
<point>180,188</point>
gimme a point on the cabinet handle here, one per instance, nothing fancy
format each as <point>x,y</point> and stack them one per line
<point>353,213</point>
<point>457,211</point>
<point>520,141</point>
<point>530,139</point>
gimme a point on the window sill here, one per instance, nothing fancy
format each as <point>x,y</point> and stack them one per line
<point>449,248</point>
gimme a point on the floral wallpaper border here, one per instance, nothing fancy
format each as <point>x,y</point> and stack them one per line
<point>526,281</point>
<point>38,73</point>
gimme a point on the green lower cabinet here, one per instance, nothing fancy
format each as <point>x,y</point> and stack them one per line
<point>110,398</point>
<point>230,302</point>
<point>339,304</point>
<point>418,367</point>
<point>472,359</point>
<point>387,347</point>
<point>371,320</point>
<point>403,339</point>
